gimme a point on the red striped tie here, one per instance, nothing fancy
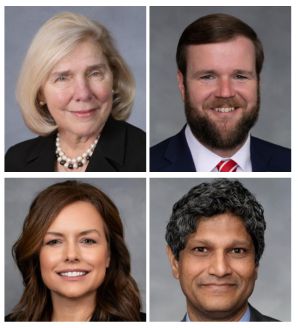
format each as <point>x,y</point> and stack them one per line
<point>227,166</point>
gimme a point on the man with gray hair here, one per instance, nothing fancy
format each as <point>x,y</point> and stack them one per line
<point>215,240</point>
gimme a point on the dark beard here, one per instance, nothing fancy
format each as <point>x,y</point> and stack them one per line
<point>209,134</point>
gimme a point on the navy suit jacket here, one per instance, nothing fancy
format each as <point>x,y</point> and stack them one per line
<point>173,155</point>
<point>121,148</point>
<point>255,315</point>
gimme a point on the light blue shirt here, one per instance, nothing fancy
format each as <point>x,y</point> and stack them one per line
<point>244,318</point>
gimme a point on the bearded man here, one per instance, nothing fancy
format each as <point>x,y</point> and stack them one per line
<point>219,59</point>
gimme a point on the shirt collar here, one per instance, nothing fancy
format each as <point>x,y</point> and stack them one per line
<point>206,161</point>
<point>244,318</point>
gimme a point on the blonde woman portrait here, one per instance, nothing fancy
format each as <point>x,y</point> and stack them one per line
<point>75,92</point>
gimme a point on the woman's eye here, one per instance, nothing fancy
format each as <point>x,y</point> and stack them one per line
<point>98,74</point>
<point>60,78</point>
<point>53,242</point>
<point>88,241</point>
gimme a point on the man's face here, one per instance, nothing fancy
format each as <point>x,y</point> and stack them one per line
<point>221,92</point>
<point>217,269</point>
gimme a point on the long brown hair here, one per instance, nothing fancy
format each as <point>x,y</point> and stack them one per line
<point>118,296</point>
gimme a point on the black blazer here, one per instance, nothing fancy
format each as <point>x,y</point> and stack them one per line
<point>121,148</point>
<point>113,318</point>
<point>173,155</point>
<point>255,315</point>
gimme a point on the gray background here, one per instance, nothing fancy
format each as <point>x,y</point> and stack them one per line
<point>273,26</point>
<point>126,24</point>
<point>129,195</point>
<point>272,293</point>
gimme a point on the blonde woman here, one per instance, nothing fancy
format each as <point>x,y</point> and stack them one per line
<point>75,91</point>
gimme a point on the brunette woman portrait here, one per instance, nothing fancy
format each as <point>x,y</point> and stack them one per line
<point>73,259</point>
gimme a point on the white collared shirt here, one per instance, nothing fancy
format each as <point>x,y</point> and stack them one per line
<point>206,161</point>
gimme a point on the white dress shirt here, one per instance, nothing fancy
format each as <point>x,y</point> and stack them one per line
<point>206,161</point>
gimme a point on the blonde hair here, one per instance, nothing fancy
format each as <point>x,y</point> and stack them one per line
<point>54,40</point>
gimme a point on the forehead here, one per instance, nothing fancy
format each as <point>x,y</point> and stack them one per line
<point>86,52</point>
<point>76,216</point>
<point>221,228</point>
<point>238,53</point>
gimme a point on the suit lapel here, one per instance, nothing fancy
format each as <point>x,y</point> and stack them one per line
<point>178,154</point>
<point>259,158</point>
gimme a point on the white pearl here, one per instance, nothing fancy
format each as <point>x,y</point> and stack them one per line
<point>79,158</point>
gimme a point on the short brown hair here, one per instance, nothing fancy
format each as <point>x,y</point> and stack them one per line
<point>117,297</point>
<point>216,28</point>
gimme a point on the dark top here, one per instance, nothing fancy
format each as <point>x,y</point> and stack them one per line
<point>142,318</point>
<point>121,148</point>
<point>173,155</point>
<point>255,315</point>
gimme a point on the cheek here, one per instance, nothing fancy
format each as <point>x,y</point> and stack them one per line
<point>103,91</point>
<point>99,259</point>
<point>48,259</point>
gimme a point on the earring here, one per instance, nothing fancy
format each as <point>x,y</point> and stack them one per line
<point>42,103</point>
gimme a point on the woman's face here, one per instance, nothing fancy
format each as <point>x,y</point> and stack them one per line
<point>78,91</point>
<point>75,254</point>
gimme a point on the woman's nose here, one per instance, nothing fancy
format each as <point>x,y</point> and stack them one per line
<point>82,90</point>
<point>72,252</point>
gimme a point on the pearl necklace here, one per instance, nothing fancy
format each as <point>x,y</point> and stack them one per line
<point>73,163</point>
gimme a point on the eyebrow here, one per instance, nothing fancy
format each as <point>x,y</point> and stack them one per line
<point>233,242</point>
<point>89,68</point>
<point>210,71</point>
<point>82,233</point>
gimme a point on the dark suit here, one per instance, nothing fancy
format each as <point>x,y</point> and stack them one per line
<point>121,147</point>
<point>255,315</point>
<point>173,155</point>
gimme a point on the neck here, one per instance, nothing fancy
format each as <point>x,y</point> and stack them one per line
<point>66,309</point>
<point>226,153</point>
<point>195,315</point>
<point>74,145</point>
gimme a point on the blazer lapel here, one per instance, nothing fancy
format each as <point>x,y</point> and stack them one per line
<point>109,153</point>
<point>179,155</point>
<point>43,157</point>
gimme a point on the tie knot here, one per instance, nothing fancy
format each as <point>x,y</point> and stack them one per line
<point>227,166</point>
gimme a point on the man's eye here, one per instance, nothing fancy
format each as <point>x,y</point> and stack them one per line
<point>200,249</point>
<point>240,77</point>
<point>207,77</point>
<point>238,250</point>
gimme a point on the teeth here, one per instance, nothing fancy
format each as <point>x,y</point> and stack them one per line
<point>224,109</point>
<point>72,274</point>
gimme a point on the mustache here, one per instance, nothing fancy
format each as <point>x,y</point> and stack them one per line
<point>225,102</point>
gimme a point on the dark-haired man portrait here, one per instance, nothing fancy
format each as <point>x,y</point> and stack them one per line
<point>219,59</point>
<point>215,239</point>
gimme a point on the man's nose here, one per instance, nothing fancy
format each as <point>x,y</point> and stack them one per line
<point>82,90</point>
<point>219,265</point>
<point>225,88</point>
